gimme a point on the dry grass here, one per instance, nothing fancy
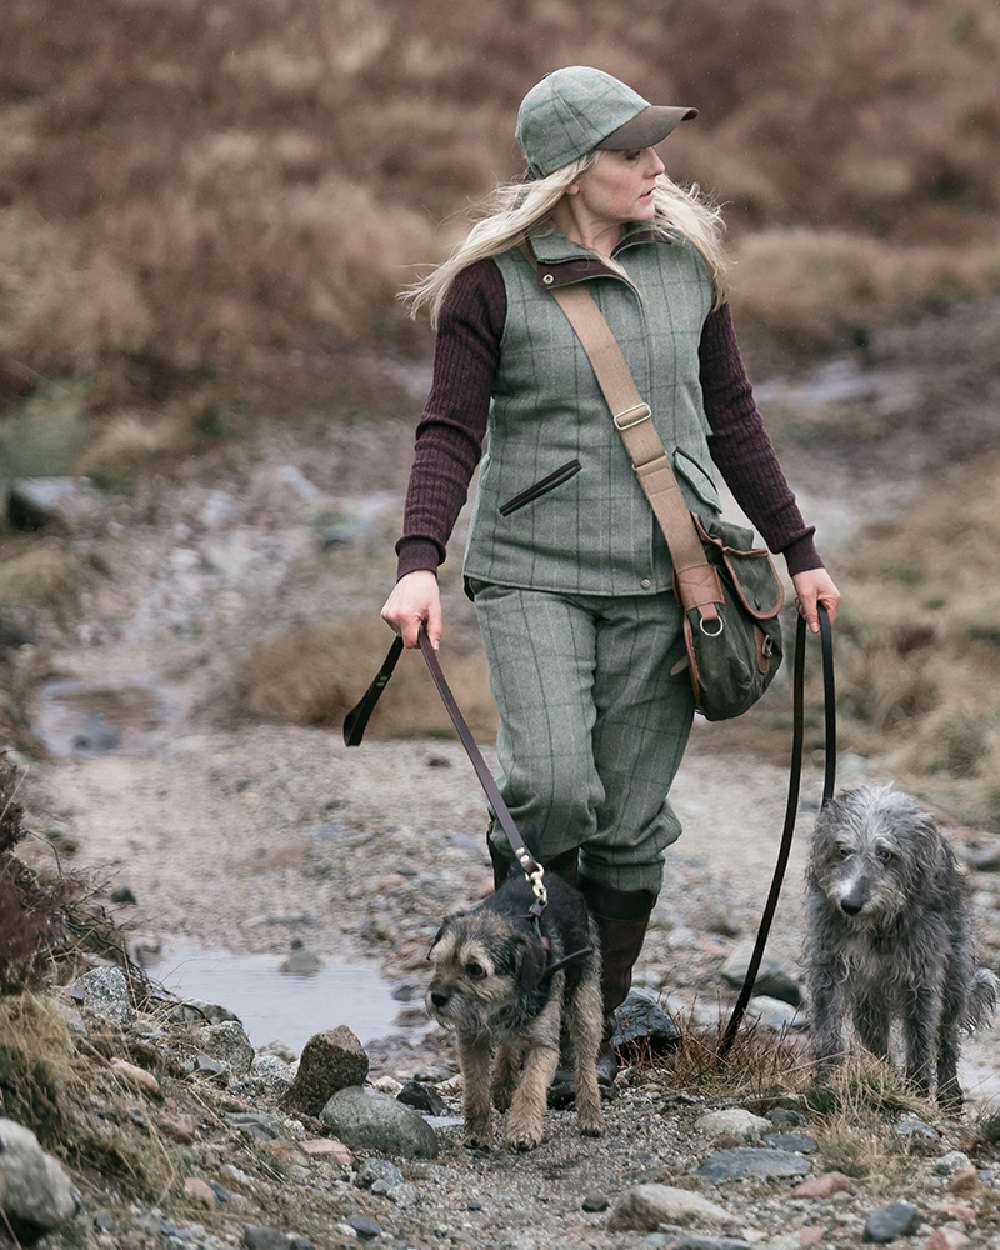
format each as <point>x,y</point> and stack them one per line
<point>917,651</point>
<point>209,201</point>
<point>314,676</point>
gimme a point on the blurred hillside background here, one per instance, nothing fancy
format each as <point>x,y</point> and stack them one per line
<point>207,208</point>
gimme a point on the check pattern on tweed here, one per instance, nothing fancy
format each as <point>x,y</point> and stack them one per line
<point>593,724</point>
<point>594,533</point>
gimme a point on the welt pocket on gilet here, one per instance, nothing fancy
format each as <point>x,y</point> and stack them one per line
<point>541,487</point>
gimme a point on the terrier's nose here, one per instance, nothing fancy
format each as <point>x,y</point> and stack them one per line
<point>850,905</point>
<point>439,997</point>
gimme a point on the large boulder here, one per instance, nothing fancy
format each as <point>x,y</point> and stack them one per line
<point>331,1060</point>
<point>365,1120</point>
<point>36,1195</point>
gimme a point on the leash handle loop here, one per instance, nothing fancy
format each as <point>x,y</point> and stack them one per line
<point>791,806</point>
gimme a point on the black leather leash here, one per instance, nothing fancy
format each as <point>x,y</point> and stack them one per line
<point>791,807</point>
<point>354,728</point>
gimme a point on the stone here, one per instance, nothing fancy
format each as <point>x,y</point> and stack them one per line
<point>811,1236</point>
<point>773,1013</point>
<point>255,1125</point>
<point>36,1194</point>
<point>783,1117</point>
<point>258,1238</point>
<point>732,1121</point>
<point>387,1085</point>
<point>946,1239</point>
<point>206,1065</point>
<point>372,1170</point>
<point>917,1134</point>
<point>983,858</point>
<point>300,962</point>
<point>372,1121</point>
<point>951,1163</point>
<point>327,1148</point>
<point>894,1220</point>
<point>595,1202</point>
<point>643,1208</point>
<point>331,1061</point>
<point>641,1020</point>
<point>364,1226</point>
<point>824,1186</point>
<point>772,980</point>
<point>964,1212</point>
<point>199,1191</point>
<point>135,1076</point>
<point>801,1142</point>
<point>194,1011</point>
<point>268,1075</point>
<point>227,1041</point>
<point>123,894</point>
<point>105,994</point>
<point>423,1098</point>
<point>743,1161</point>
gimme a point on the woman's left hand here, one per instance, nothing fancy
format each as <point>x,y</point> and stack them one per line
<point>811,586</point>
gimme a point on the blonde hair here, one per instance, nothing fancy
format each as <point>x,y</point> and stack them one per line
<point>515,208</point>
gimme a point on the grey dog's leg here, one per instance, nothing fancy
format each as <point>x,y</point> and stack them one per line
<point>949,1091</point>
<point>475,1058</point>
<point>921,1023</point>
<point>508,1064</point>
<point>871,1019</point>
<point>586,1026</point>
<point>827,1006</point>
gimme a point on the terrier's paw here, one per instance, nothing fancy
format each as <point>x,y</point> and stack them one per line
<point>479,1136</point>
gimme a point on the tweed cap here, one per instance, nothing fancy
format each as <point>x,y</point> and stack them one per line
<point>578,108</point>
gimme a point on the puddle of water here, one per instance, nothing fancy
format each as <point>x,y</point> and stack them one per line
<point>78,718</point>
<point>275,1005</point>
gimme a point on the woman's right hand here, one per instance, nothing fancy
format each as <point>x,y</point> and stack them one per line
<point>414,598</point>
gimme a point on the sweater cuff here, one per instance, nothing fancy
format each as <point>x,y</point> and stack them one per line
<point>417,554</point>
<point>802,555</point>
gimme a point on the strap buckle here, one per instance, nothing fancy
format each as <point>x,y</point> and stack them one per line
<point>635,415</point>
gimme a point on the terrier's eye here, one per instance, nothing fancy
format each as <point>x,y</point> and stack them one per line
<point>884,854</point>
<point>474,970</point>
<point>844,852</point>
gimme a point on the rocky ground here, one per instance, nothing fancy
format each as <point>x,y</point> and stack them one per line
<point>219,832</point>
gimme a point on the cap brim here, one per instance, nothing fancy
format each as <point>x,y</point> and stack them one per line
<point>647,128</point>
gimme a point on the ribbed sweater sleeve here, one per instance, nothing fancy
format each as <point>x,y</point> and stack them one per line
<point>740,446</point>
<point>450,432</point>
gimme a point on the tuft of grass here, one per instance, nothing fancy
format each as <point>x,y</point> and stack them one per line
<point>853,1121</point>
<point>760,1064</point>
<point>315,676</point>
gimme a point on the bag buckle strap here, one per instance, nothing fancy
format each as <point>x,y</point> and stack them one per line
<point>635,415</point>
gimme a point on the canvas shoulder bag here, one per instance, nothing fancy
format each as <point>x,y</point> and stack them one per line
<point>729,590</point>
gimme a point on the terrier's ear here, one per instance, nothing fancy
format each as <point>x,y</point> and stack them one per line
<point>530,964</point>
<point>441,931</point>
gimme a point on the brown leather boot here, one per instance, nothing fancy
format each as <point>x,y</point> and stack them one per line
<point>621,917</point>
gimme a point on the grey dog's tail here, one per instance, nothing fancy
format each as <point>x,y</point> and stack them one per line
<point>982,999</point>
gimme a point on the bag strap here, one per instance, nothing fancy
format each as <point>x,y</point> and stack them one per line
<point>697,581</point>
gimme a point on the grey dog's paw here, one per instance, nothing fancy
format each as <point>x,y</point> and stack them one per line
<point>523,1137</point>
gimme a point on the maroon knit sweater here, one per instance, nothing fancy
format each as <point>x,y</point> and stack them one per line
<point>453,423</point>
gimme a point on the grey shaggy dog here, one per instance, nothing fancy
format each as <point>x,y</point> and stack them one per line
<point>888,937</point>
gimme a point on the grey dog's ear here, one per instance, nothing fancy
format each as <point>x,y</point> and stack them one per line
<point>531,961</point>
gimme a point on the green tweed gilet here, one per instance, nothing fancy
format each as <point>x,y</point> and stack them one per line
<point>558,506</point>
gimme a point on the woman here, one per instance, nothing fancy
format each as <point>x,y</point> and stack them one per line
<point>569,572</point>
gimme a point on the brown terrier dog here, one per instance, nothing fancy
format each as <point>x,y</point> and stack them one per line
<point>500,990</point>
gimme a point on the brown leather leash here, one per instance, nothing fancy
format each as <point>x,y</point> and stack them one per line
<point>354,728</point>
<point>791,806</point>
